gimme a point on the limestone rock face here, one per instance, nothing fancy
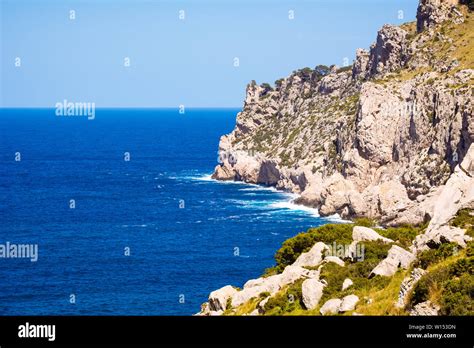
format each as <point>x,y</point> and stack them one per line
<point>432,12</point>
<point>458,193</point>
<point>360,234</point>
<point>425,308</point>
<point>312,290</point>
<point>272,284</point>
<point>333,83</point>
<point>407,284</point>
<point>397,257</point>
<point>389,51</point>
<point>218,298</point>
<point>313,257</point>
<point>391,140</point>
<point>367,143</point>
<point>359,70</point>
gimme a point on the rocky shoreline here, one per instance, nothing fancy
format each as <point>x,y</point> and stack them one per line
<point>389,139</point>
<point>376,139</point>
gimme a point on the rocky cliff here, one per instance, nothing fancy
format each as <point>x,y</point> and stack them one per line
<point>389,138</point>
<point>338,269</point>
<point>376,139</point>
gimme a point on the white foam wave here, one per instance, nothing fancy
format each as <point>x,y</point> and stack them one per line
<point>275,205</point>
<point>336,218</point>
<point>256,188</point>
<point>205,177</point>
<point>289,205</point>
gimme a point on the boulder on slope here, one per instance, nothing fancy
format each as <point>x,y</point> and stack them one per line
<point>397,257</point>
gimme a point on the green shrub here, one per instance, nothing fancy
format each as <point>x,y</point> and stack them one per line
<point>357,271</point>
<point>462,266</point>
<point>292,248</point>
<point>266,86</point>
<point>334,275</point>
<point>278,83</point>
<point>270,271</point>
<point>470,249</point>
<point>469,3</point>
<point>432,256</point>
<point>421,290</point>
<point>333,233</point>
<point>403,235</point>
<point>364,221</point>
<point>264,294</point>
<point>285,301</point>
<point>465,220</point>
<point>344,68</point>
<point>322,70</point>
<point>457,296</point>
<point>375,250</point>
<point>455,284</point>
<point>328,234</point>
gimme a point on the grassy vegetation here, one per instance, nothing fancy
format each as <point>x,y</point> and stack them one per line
<point>344,68</point>
<point>463,40</point>
<point>465,219</point>
<point>293,247</point>
<point>244,308</point>
<point>402,235</point>
<point>383,289</point>
<point>383,297</point>
<point>448,280</point>
<point>450,284</point>
<point>286,301</point>
<point>434,256</point>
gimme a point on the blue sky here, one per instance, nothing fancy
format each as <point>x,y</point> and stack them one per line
<point>173,61</point>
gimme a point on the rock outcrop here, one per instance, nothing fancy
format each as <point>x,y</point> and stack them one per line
<point>312,291</point>
<point>456,194</point>
<point>253,288</point>
<point>407,285</point>
<point>377,140</point>
<point>397,257</point>
<point>389,51</point>
<point>390,138</point>
<point>425,308</point>
<point>313,257</point>
<point>360,234</point>
<point>432,12</point>
<point>348,303</point>
<point>335,305</point>
<point>218,298</point>
<point>331,306</point>
<point>346,284</point>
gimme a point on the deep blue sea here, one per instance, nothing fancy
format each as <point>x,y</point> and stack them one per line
<point>180,227</point>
